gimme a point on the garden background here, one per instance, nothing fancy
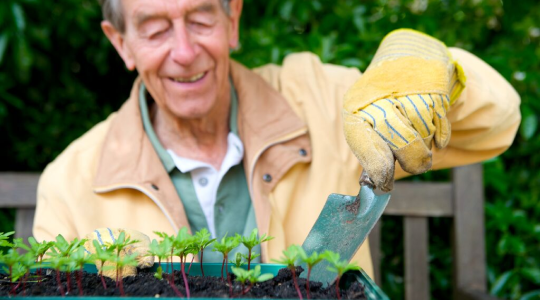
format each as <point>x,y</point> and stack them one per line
<point>59,76</point>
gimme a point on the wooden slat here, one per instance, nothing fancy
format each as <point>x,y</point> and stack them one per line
<point>18,189</point>
<point>469,244</point>
<point>375,249</point>
<point>24,220</point>
<point>474,295</point>
<point>416,258</point>
<point>432,199</point>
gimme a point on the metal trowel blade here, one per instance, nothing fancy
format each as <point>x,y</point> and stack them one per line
<point>343,225</point>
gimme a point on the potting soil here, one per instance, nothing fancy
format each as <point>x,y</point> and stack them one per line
<point>146,285</point>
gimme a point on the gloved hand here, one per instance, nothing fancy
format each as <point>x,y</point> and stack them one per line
<point>109,235</point>
<point>399,105</point>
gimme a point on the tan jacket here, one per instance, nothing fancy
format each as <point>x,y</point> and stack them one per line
<point>112,177</point>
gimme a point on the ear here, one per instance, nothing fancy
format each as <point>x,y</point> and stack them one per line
<point>117,40</point>
<point>234,18</point>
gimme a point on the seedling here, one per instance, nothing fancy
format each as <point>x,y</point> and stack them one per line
<point>226,245</point>
<point>13,262</point>
<point>338,266</point>
<point>310,261</point>
<point>58,263</point>
<point>120,263</point>
<point>251,241</point>
<point>118,245</point>
<point>202,240</point>
<point>238,260</point>
<point>253,276</point>
<point>183,244</point>
<point>37,250</point>
<point>79,258</point>
<point>63,248</point>
<point>4,239</point>
<point>290,256</point>
<point>102,254</point>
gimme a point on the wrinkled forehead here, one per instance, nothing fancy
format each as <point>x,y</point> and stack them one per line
<point>136,11</point>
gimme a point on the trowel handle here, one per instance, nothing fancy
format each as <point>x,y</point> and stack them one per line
<point>366,181</point>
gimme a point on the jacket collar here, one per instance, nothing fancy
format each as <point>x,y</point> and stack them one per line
<point>129,160</point>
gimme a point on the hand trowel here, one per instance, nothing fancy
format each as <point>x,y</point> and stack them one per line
<point>343,225</point>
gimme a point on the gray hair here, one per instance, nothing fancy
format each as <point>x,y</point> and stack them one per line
<point>112,12</point>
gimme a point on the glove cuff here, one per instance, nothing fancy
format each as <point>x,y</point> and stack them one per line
<point>407,62</point>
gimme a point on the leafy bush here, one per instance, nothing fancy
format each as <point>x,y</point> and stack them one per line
<point>59,76</point>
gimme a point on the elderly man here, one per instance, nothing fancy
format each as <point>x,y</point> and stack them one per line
<point>203,142</point>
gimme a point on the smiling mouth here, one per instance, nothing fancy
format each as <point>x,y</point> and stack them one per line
<point>189,79</point>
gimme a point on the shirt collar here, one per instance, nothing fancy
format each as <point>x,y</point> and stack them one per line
<point>165,157</point>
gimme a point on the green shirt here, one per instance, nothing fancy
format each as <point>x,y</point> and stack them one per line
<point>234,212</point>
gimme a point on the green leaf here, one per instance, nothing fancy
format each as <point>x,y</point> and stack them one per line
<point>501,283</point>
<point>534,295</point>
<point>3,45</point>
<point>18,16</point>
<point>533,274</point>
<point>528,126</point>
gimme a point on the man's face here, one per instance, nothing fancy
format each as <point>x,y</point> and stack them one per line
<point>181,50</point>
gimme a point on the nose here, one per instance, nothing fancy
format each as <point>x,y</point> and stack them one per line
<point>184,48</point>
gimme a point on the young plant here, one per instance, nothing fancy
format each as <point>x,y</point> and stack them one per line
<point>290,256</point>
<point>4,239</point>
<point>251,241</point>
<point>102,254</point>
<point>226,245</point>
<point>58,263</point>
<point>238,260</point>
<point>161,251</point>
<point>338,266</point>
<point>202,240</point>
<point>63,248</point>
<point>310,261</point>
<point>120,263</point>
<point>164,237</point>
<point>183,245</point>
<point>79,258</point>
<point>13,262</point>
<point>117,246</point>
<point>253,276</point>
<point>37,250</point>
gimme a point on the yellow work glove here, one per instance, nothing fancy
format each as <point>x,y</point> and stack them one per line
<point>106,236</point>
<point>399,105</point>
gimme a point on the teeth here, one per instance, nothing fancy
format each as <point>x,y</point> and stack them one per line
<point>190,79</point>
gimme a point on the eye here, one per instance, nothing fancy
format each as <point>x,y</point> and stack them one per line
<point>155,28</point>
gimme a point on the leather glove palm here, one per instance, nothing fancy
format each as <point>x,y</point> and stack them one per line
<point>398,107</point>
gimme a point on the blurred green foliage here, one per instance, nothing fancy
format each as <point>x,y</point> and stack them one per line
<point>59,76</point>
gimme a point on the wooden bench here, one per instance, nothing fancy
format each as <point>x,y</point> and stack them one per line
<point>462,199</point>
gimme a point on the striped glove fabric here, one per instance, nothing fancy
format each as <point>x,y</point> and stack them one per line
<point>398,108</point>
<point>106,236</point>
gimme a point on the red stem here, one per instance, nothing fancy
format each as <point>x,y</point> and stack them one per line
<point>249,258</point>
<point>230,286</point>
<point>171,283</point>
<point>101,275</point>
<point>68,276</point>
<point>59,283</point>
<point>190,264</point>
<point>337,287</point>
<point>202,269</point>
<point>296,283</point>
<point>307,282</point>
<point>222,264</point>
<point>184,276</point>
<point>13,287</point>
<point>79,281</point>
<point>24,282</point>
<point>121,284</point>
